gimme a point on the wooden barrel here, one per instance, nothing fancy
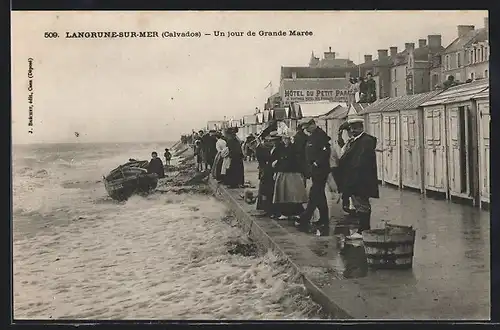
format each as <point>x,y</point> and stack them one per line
<point>389,248</point>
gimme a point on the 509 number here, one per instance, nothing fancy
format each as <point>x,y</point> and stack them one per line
<point>50,35</point>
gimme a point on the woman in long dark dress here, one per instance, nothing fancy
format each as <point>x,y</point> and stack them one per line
<point>289,191</point>
<point>234,177</point>
<point>266,173</point>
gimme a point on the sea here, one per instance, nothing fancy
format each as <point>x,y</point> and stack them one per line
<point>79,255</point>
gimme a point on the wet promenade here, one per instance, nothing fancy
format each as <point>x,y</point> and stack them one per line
<point>450,278</point>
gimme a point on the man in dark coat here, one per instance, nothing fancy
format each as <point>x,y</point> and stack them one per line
<point>156,165</point>
<point>363,90</point>
<point>371,88</point>
<point>318,169</point>
<point>358,172</point>
<point>299,146</point>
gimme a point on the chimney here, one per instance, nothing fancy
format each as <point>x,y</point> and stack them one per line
<point>382,53</point>
<point>368,58</point>
<point>394,51</point>
<point>464,29</point>
<point>486,24</point>
<point>329,55</point>
<point>409,46</point>
<point>422,43</point>
<point>434,40</point>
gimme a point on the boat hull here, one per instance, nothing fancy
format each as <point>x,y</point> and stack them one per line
<point>123,188</point>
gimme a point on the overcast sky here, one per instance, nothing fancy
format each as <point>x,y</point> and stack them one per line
<point>113,90</point>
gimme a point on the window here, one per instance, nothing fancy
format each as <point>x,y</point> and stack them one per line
<point>486,73</point>
<point>435,80</point>
<point>294,75</point>
<point>472,75</point>
<point>471,56</point>
<point>395,91</point>
<point>394,75</point>
<point>459,64</point>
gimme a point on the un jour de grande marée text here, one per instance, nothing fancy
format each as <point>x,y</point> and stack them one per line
<point>174,34</point>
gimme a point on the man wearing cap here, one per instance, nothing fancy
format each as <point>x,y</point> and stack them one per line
<point>299,147</point>
<point>317,153</point>
<point>358,172</point>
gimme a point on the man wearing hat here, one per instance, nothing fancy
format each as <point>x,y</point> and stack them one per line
<point>299,146</point>
<point>264,155</point>
<point>358,171</point>
<point>317,153</point>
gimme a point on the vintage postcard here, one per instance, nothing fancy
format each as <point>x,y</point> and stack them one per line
<point>250,165</point>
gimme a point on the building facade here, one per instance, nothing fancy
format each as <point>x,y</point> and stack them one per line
<point>453,57</point>
<point>477,55</point>
<point>299,84</point>
<point>411,70</point>
<point>330,61</point>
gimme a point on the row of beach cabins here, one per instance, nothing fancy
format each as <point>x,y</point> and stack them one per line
<point>435,142</point>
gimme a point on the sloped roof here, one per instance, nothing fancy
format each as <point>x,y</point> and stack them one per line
<point>481,36</point>
<point>459,93</point>
<point>408,102</point>
<point>338,112</point>
<point>279,114</point>
<point>485,93</point>
<point>308,72</point>
<point>400,58</point>
<point>460,42</point>
<point>250,119</point>
<point>316,109</point>
<point>376,106</point>
<point>422,53</point>
<point>335,63</point>
<point>325,83</point>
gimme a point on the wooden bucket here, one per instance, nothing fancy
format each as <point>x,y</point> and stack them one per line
<point>390,247</point>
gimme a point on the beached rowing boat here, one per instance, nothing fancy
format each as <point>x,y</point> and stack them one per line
<point>129,179</point>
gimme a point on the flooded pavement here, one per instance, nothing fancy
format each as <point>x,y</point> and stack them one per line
<point>450,278</point>
<point>177,254</point>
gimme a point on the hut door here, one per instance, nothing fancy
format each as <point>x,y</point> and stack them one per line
<point>458,157</point>
<point>410,154</point>
<point>375,130</point>
<point>391,159</point>
<point>434,151</point>
<point>484,117</point>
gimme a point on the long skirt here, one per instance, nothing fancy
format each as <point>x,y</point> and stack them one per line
<point>217,167</point>
<point>235,173</point>
<point>266,190</point>
<point>289,188</point>
<point>289,194</point>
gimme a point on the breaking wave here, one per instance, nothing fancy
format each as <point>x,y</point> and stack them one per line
<point>80,255</point>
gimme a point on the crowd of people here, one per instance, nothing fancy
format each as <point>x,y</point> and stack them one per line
<point>287,161</point>
<point>362,89</point>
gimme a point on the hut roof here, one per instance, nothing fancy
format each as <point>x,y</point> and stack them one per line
<point>250,119</point>
<point>376,106</point>
<point>408,102</point>
<point>338,112</point>
<point>483,94</point>
<point>279,114</point>
<point>459,93</point>
<point>317,108</point>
